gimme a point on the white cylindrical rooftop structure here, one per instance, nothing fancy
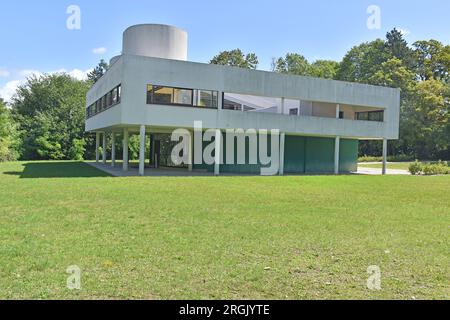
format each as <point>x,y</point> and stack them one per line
<point>155,40</point>
<point>114,60</point>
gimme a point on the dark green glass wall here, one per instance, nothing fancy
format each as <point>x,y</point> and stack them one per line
<point>301,155</point>
<point>348,156</point>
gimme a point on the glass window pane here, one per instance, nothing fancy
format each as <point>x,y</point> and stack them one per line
<point>376,116</point>
<point>162,95</point>
<point>114,96</point>
<point>149,94</point>
<point>362,116</point>
<point>230,105</point>
<point>182,96</point>
<point>205,99</point>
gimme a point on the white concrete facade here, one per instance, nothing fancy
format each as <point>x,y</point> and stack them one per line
<point>135,72</point>
<point>141,65</point>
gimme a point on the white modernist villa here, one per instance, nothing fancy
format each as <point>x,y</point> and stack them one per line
<point>151,89</point>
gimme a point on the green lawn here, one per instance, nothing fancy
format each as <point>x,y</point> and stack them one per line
<point>305,237</point>
<point>393,165</point>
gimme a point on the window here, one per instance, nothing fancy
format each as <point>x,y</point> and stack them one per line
<point>181,96</point>
<point>206,98</point>
<point>104,103</point>
<point>114,96</point>
<point>341,114</point>
<point>293,112</point>
<point>376,116</point>
<point>160,95</point>
<point>108,100</point>
<point>370,116</point>
<point>119,93</point>
<point>230,105</point>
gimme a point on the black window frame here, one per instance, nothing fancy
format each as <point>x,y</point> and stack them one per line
<point>105,102</point>
<point>193,104</point>
<point>367,116</point>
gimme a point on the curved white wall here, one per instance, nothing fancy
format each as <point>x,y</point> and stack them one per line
<point>155,40</point>
<point>114,60</point>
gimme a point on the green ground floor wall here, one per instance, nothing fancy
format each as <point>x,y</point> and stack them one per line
<point>302,155</point>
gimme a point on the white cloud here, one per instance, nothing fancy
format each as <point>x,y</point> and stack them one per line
<point>29,72</point>
<point>100,50</point>
<point>4,73</point>
<point>75,73</point>
<point>404,32</point>
<point>9,89</point>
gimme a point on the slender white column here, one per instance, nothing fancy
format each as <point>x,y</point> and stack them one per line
<point>191,152</point>
<point>384,170</point>
<point>218,151</point>
<point>220,100</point>
<point>125,149</point>
<point>338,110</point>
<point>142,151</point>
<point>281,108</point>
<point>113,149</point>
<point>282,139</point>
<point>337,146</point>
<point>97,147</point>
<point>104,148</point>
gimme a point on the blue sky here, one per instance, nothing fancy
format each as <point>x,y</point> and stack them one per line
<point>35,37</point>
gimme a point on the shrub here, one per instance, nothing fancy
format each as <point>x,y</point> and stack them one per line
<point>415,168</point>
<point>370,159</point>
<point>77,149</point>
<point>400,158</point>
<point>436,169</point>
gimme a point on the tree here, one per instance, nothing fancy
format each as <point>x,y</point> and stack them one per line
<point>98,71</point>
<point>325,69</point>
<point>433,60</point>
<point>236,58</point>
<point>9,142</point>
<point>293,63</point>
<point>393,73</point>
<point>50,111</point>
<point>430,121</point>
<point>397,47</point>
<point>363,61</point>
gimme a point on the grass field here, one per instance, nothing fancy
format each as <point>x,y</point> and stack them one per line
<point>305,237</point>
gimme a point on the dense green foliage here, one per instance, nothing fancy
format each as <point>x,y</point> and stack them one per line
<point>9,140</point>
<point>422,73</point>
<point>297,64</point>
<point>429,169</point>
<point>236,58</point>
<point>50,112</point>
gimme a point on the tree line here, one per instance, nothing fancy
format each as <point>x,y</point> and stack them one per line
<point>45,118</point>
